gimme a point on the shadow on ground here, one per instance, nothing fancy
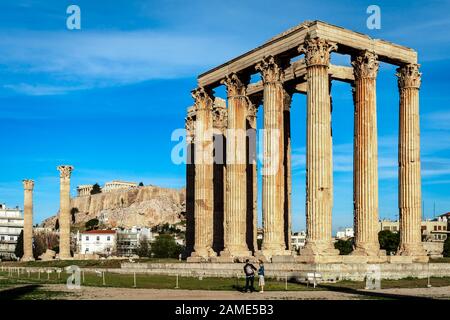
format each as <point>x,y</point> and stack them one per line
<point>18,292</point>
<point>372,294</point>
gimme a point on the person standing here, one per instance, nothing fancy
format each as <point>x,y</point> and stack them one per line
<point>249,271</point>
<point>261,276</point>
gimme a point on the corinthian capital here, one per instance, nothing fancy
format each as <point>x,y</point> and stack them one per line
<point>317,51</point>
<point>220,115</point>
<point>203,99</point>
<point>28,184</point>
<point>252,110</point>
<point>409,76</point>
<point>65,171</point>
<point>271,69</point>
<point>365,65</point>
<point>236,85</point>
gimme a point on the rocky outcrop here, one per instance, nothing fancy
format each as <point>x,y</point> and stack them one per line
<point>144,206</point>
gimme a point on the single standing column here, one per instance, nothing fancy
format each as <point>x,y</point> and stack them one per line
<point>28,186</point>
<point>273,168</point>
<point>365,155</point>
<point>319,172</point>
<point>236,208</point>
<point>410,196</point>
<point>64,212</point>
<point>203,175</point>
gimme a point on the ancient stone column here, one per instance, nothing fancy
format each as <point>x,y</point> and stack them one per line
<point>203,175</point>
<point>252,177</point>
<point>273,153</point>
<point>220,120</point>
<point>190,181</point>
<point>365,155</point>
<point>28,186</point>
<point>64,212</point>
<point>319,173</point>
<point>410,195</point>
<point>236,208</point>
<point>287,173</point>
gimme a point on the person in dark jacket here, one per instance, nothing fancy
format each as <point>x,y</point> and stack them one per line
<point>249,271</point>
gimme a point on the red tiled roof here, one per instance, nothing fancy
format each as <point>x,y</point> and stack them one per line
<point>99,232</point>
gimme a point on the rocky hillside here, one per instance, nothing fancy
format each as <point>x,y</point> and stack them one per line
<point>144,206</point>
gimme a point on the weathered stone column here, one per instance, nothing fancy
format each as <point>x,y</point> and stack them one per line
<point>28,186</point>
<point>319,173</point>
<point>410,195</point>
<point>273,169</point>
<point>287,171</point>
<point>236,208</point>
<point>64,212</point>
<point>365,155</point>
<point>220,127</point>
<point>252,177</point>
<point>203,175</point>
<point>190,181</point>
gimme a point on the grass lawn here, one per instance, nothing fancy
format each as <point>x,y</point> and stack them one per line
<point>83,263</point>
<point>191,283</point>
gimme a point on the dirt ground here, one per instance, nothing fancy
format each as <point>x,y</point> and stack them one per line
<point>96,293</point>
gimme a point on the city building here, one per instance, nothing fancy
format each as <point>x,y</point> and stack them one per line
<point>128,240</point>
<point>101,242</point>
<point>345,234</point>
<point>118,185</point>
<point>11,224</point>
<point>298,240</point>
<point>432,230</point>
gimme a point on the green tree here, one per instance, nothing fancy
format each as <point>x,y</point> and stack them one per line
<point>96,189</point>
<point>446,252</point>
<point>144,248</point>
<point>91,224</point>
<point>73,213</point>
<point>39,244</point>
<point>18,251</point>
<point>165,247</point>
<point>389,240</point>
<point>57,224</point>
<point>141,184</point>
<point>345,247</point>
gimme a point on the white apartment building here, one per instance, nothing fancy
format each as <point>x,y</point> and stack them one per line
<point>11,224</point>
<point>298,240</point>
<point>101,242</point>
<point>128,240</point>
<point>345,234</point>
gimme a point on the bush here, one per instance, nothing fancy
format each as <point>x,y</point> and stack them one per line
<point>165,247</point>
<point>91,224</point>
<point>96,189</point>
<point>389,241</point>
<point>18,251</point>
<point>345,247</point>
<point>446,251</point>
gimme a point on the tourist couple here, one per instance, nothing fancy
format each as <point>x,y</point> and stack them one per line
<point>249,270</point>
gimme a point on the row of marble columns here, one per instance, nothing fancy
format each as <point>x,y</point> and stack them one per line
<point>276,184</point>
<point>64,216</point>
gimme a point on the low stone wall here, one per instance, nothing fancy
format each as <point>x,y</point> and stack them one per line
<point>355,271</point>
<point>329,272</point>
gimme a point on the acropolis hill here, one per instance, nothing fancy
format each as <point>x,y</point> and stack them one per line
<point>144,206</point>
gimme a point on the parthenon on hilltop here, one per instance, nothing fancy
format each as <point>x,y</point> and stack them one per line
<point>222,170</point>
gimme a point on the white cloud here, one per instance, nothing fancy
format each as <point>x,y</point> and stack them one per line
<point>77,60</point>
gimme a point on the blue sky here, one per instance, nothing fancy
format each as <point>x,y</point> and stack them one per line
<point>106,98</point>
